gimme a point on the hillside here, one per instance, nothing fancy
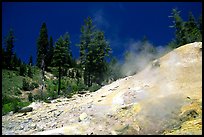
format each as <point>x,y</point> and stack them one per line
<point>164,98</point>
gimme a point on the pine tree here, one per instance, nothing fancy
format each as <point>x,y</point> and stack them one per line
<point>25,85</point>
<point>200,24</point>
<point>179,25</point>
<point>30,72</point>
<point>9,42</point>
<point>3,57</point>
<point>42,48</point>
<point>23,70</point>
<point>61,56</point>
<point>14,61</point>
<point>100,50</point>
<point>68,59</point>
<point>87,31</point>
<point>172,44</point>
<point>192,32</point>
<point>186,32</point>
<point>93,51</point>
<point>114,71</point>
<point>30,61</point>
<point>19,62</point>
<point>50,52</point>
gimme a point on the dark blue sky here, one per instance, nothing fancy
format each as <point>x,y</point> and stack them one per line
<point>121,22</point>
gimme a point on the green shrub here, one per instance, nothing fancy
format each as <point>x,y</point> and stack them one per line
<point>13,104</point>
<point>6,99</point>
<point>31,86</point>
<point>40,96</point>
<point>94,87</point>
<point>51,90</point>
<point>82,86</point>
<point>74,87</point>
<point>23,70</point>
<point>30,73</point>
<point>18,92</point>
<point>34,85</point>
<point>47,101</point>
<point>64,84</point>
<point>30,97</point>
<point>69,95</point>
<point>6,108</point>
<point>37,97</point>
<point>21,104</point>
<point>52,94</point>
<point>25,85</point>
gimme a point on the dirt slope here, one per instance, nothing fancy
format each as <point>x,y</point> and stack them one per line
<point>164,98</point>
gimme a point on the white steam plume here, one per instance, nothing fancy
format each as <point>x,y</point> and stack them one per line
<point>139,55</point>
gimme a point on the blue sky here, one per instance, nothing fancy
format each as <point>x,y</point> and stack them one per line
<point>122,22</point>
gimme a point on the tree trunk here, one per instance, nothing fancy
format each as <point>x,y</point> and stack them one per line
<point>85,77</point>
<point>43,73</point>
<point>89,79</point>
<point>59,83</point>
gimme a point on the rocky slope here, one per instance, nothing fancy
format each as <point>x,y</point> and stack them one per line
<point>164,98</point>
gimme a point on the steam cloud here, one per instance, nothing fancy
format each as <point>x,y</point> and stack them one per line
<point>139,55</point>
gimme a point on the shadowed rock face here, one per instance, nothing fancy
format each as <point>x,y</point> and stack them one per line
<point>164,98</point>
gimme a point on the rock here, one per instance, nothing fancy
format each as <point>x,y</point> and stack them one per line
<point>25,109</point>
<point>116,87</point>
<point>33,126</point>
<point>113,133</point>
<point>56,114</point>
<point>48,101</point>
<point>109,115</point>
<point>87,95</point>
<point>156,63</point>
<point>10,113</point>
<point>79,95</point>
<point>57,134</point>
<point>189,114</point>
<point>59,100</point>
<point>125,130</point>
<point>10,126</point>
<point>52,110</point>
<point>188,97</point>
<point>40,128</point>
<point>53,125</point>
<point>21,127</point>
<point>116,118</point>
<point>128,106</point>
<point>22,114</point>
<point>82,92</point>
<point>83,116</point>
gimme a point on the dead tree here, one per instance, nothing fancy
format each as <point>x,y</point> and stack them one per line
<point>43,75</point>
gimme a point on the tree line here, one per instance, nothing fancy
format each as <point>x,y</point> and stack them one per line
<point>94,49</point>
<point>185,31</point>
<point>92,65</point>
